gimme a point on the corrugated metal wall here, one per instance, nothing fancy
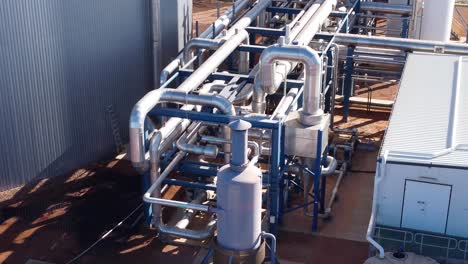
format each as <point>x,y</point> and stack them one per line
<point>63,66</point>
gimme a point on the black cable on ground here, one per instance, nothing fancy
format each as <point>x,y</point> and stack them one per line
<point>105,235</point>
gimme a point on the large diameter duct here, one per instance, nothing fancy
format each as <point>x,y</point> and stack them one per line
<point>312,22</point>
<point>239,197</point>
<point>149,101</point>
<point>377,7</point>
<point>437,20</point>
<point>311,112</point>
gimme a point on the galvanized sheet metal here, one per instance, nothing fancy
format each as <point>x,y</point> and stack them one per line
<point>69,70</point>
<point>429,111</point>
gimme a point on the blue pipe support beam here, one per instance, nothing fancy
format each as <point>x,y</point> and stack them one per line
<point>283,10</point>
<point>317,174</point>
<point>267,32</point>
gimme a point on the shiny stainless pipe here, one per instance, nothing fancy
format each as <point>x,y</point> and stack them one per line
<point>221,23</point>
<point>182,144</point>
<point>376,7</point>
<point>311,113</point>
<point>149,101</point>
<point>196,43</point>
<point>402,44</point>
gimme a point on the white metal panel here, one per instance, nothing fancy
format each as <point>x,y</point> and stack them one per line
<point>426,117</point>
<point>426,206</point>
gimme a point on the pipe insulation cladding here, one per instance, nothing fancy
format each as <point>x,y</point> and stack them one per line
<point>239,196</point>
<point>437,20</point>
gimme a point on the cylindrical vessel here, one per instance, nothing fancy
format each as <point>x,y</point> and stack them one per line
<point>437,20</point>
<point>239,196</point>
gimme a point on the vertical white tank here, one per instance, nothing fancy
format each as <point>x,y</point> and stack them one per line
<point>437,20</point>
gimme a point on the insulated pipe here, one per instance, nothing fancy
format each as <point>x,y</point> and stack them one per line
<point>196,43</point>
<point>311,113</point>
<point>331,167</point>
<point>376,7</point>
<point>402,44</point>
<point>221,23</point>
<point>314,24</point>
<point>151,99</point>
<point>182,144</point>
<point>308,26</point>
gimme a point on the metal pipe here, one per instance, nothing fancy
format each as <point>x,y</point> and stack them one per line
<point>311,113</point>
<point>220,23</point>
<point>314,24</point>
<point>308,26</point>
<point>402,44</point>
<point>182,144</point>
<point>196,43</point>
<point>370,229</point>
<point>331,167</point>
<point>376,7</point>
<point>189,234</point>
<point>149,101</point>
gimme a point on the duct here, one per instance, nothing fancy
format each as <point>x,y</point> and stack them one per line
<point>402,44</point>
<point>255,148</point>
<point>168,70</point>
<point>315,23</point>
<point>285,103</point>
<point>312,19</point>
<point>149,101</point>
<point>249,17</point>
<point>221,23</point>
<point>376,7</point>
<point>182,144</point>
<point>311,113</point>
<point>197,43</point>
<point>331,167</point>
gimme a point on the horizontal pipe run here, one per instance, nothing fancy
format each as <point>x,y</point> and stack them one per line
<point>183,145</point>
<point>221,23</point>
<point>376,7</point>
<point>402,44</point>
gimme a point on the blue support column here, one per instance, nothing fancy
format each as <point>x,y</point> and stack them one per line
<point>405,27</point>
<point>274,188</point>
<point>317,175</point>
<point>348,82</point>
<point>281,175</point>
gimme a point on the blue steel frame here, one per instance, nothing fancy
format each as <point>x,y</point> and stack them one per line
<point>278,160</point>
<point>277,151</point>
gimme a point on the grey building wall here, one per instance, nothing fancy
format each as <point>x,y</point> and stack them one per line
<point>67,68</point>
<point>172,29</point>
